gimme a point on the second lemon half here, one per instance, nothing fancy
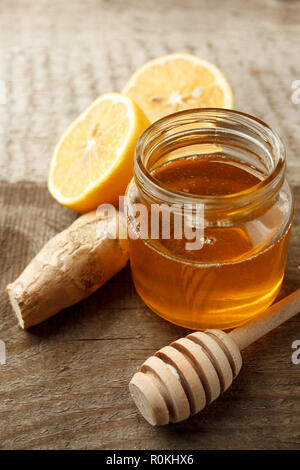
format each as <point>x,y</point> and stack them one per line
<point>177,82</point>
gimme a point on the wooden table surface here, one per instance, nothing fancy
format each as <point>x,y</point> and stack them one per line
<point>65,382</point>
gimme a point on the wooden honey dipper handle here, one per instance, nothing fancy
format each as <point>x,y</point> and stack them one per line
<point>274,316</point>
<point>190,373</point>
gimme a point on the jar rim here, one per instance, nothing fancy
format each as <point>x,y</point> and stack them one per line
<point>273,179</point>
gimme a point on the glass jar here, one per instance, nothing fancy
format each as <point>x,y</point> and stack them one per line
<point>238,270</point>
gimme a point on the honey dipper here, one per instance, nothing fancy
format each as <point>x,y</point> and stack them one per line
<point>190,373</point>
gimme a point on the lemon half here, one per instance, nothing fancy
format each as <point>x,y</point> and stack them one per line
<point>177,82</point>
<point>93,161</point>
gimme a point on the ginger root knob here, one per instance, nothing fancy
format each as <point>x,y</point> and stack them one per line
<point>70,267</point>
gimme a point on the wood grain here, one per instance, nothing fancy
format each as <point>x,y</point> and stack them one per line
<point>65,382</point>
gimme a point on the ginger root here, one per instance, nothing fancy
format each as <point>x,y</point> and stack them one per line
<point>71,266</point>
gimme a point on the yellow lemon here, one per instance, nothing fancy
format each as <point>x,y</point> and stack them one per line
<point>176,82</point>
<point>93,161</point>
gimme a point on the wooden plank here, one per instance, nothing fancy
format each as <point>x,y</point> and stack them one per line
<point>65,382</point>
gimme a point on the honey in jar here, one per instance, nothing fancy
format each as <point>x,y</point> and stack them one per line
<point>234,167</point>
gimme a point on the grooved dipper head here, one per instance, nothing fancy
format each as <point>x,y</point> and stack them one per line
<point>184,377</point>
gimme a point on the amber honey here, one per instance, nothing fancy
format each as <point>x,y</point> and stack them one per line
<point>238,270</point>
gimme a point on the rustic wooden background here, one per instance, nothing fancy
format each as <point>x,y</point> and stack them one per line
<point>64,384</point>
